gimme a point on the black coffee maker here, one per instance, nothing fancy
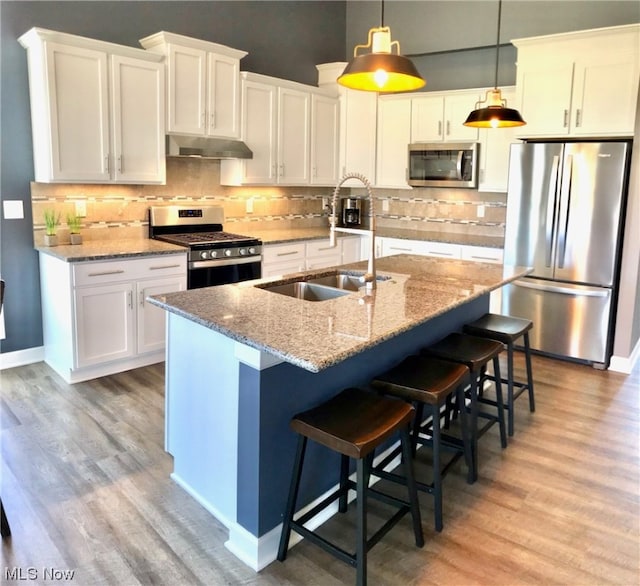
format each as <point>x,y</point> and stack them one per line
<point>351,212</point>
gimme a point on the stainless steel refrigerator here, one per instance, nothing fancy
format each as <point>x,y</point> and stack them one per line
<point>565,217</point>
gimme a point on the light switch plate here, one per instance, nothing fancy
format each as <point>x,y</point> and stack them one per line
<point>385,205</point>
<point>249,205</point>
<point>481,211</point>
<point>12,209</point>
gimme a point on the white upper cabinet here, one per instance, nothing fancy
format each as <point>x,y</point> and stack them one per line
<point>290,128</point>
<point>203,85</point>
<point>439,116</point>
<point>325,134</point>
<point>579,84</point>
<point>394,136</point>
<point>97,110</point>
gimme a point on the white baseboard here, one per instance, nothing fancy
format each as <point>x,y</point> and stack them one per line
<point>21,357</point>
<point>625,364</point>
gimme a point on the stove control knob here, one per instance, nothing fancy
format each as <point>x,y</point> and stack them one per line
<point>203,254</point>
<point>243,251</point>
<point>252,250</point>
<point>227,252</point>
<point>214,253</point>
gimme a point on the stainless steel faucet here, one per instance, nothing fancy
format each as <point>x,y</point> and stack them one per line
<point>370,276</point>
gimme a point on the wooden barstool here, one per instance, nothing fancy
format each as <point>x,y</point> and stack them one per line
<point>353,423</point>
<point>428,382</point>
<point>508,330</point>
<point>475,353</point>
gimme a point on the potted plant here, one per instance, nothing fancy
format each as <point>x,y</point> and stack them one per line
<point>51,222</point>
<point>74,224</point>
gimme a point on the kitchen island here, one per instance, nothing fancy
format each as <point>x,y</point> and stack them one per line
<point>241,360</point>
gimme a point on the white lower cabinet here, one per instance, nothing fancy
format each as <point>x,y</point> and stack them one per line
<point>386,246</point>
<point>282,259</point>
<point>96,319</point>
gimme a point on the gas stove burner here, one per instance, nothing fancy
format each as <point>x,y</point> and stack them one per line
<point>204,238</point>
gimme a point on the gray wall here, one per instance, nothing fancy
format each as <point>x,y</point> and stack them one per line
<point>284,39</point>
<point>449,38</point>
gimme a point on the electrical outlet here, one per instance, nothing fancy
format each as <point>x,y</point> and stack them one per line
<point>325,203</point>
<point>480,211</point>
<point>249,207</point>
<point>81,208</point>
<point>385,205</point>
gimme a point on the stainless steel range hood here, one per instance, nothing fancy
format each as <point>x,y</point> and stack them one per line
<point>179,145</point>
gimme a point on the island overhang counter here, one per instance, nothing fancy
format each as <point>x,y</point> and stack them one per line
<point>241,360</point>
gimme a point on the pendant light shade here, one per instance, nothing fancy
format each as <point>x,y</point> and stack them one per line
<point>492,112</point>
<point>381,70</point>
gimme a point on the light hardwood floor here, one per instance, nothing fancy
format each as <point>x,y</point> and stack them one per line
<point>86,487</point>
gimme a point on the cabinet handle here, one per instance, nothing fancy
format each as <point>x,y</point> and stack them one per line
<point>142,296</point>
<point>281,169</point>
<point>566,118</point>
<point>213,120</point>
<point>106,164</point>
<point>448,127</point>
<point>578,116</point>
<point>400,248</point>
<point>120,164</point>
<point>130,296</point>
<point>160,267</point>
<point>439,127</point>
<point>287,253</point>
<point>326,248</point>
<point>476,257</point>
<point>116,272</point>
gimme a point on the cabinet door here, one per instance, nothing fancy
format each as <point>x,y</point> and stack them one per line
<point>394,136</point>
<point>223,96</point>
<point>186,90</point>
<point>456,110</point>
<point>325,120</point>
<point>426,118</point>
<point>605,91</point>
<point>294,109</point>
<point>259,132</point>
<point>104,325</point>
<point>138,121</point>
<point>151,318</point>
<point>544,99</point>
<point>495,144</point>
<point>79,116</point>
<point>358,134</point>
<point>351,249</point>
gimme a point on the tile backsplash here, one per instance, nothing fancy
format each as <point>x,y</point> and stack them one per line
<point>120,211</point>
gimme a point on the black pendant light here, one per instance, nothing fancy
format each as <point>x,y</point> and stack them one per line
<point>381,70</point>
<point>493,111</point>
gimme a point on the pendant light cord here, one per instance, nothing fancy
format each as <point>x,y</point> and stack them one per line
<point>498,43</point>
<point>381,13</point>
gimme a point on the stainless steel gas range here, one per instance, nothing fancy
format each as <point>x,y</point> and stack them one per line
<point>215,257</point>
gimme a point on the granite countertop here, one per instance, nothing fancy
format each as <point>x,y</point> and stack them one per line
<point>110,249</point>
<point>317,335</point>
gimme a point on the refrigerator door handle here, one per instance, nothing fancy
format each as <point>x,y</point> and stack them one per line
<point>551,210</point>
<point>563,217</point>
<point>582,291</point>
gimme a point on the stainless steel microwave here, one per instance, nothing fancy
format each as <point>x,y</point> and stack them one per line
<point>443,164</point>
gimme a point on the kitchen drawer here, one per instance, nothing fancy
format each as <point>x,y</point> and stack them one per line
<point>441,249</point>
<point>272,253</point>
<point>482,254</point>
<point>322,248</point>
<point>127,269</point>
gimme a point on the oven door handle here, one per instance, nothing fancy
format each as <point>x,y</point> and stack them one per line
<point>224,262</point>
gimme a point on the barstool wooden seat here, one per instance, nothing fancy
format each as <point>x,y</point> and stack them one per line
<point>508,330</point>
<point>475,353</point>
<point>353,423</point>
<point>427,383</point>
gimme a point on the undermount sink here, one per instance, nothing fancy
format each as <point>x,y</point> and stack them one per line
<point>307,291</point>
<point>320,288</point>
